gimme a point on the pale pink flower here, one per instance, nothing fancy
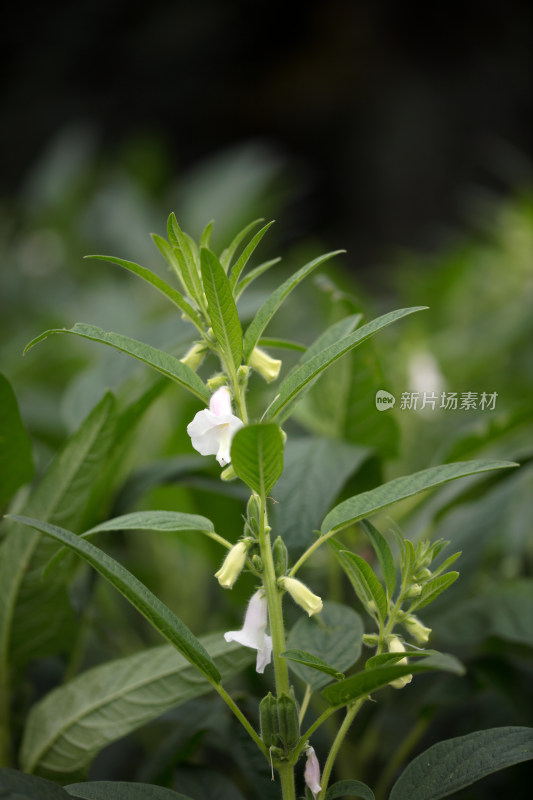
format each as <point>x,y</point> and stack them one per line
<point>253,633</point>
<point>213,428</point>
<point>312,771</point>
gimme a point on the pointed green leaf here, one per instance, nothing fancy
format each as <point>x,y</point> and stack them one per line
<point>311,661</point>
<point>252,275</point>
<point>370,680</point>
<point>72,723</point>
<point>362,505</point>
<point>163,362</point>
<point>257,456</point>
<point>185,256</point>
<point>153,279</point>
<point>384,554</point>
<point>16,465</point>
<point>17,786</point>
<point>222,308</point>
<point>449,766</point>
<point>228,253</point>
<point>350,789</point>
<point>121,790</point>
<point>284,344</point>
<point>334,636</point>
<point>156,612</point>
<point>386,659</point>
<point>205,238</point>
<point>270,306</point>
<point>299,379</point>
<point>363,579</point>
<point>246,254</point>
<point>432,589</point>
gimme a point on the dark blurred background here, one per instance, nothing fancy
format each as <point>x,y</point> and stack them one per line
<point>390,118</point>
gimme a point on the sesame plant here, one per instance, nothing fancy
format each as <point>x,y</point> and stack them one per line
<point>334,660</point>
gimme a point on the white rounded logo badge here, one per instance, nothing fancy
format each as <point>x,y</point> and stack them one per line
<point>384,400</point>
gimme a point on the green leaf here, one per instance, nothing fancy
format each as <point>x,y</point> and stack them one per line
<point>432,589</point>
<point>121,790</point>
<point>270,306</point>
<point>252,275</point>
<point>299,379</point>
<point>71,724</point>
<point>17,786</point>
<point>301,657</point>
<point>315,471</point>
<point>162,362</point>
<point>222,308</point>
<point>153,279</point>
<point>284,344</point>
<point>449,766</point>
<point>384,554</point>
<point>154,521</point>
<point>362,505</point>
<point>16,465</point>
<point>62,495</point>
<point>156,612</point>
<point>205,238</point>
<point>243,259</point>
<point>385,659</point>
<point>229,252</point>
<point>364,581</point>
<point>350,789</point>
<point>370,680</point>
<point>185,257</point>
<point>257,456</point>
<point>334,636</point>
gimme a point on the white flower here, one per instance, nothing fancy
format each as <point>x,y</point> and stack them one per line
<point>416,629</point>
<point>397,646</point>
<point>253,633</point>
<point>212,429</point>
<point>312,771</point>
<point>232,565</point>
<point>265,365</point>
<point>302,595</point>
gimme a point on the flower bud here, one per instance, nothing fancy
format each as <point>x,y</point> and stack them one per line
<point>370,639</point>
<point>416,629</point>
<point>414,591</point>
<point>397,646</point>
<point>253,513</point>
<point>265,365</point>
<point>228,474</point>
<point>280,555</point>
<point>312,772</point>
<point>423,574</point>
<point>232,565</point>
<point>302,595</point>
<point>242,374</point>
<point>194,357</point>
<point>216,382</point>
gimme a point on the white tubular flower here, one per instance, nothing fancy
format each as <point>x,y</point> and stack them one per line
<point>397,646</point>
<point>312,771</point>
<point>212,429</point>
<point>418,631</point>
<point>194,357</point>
<point>232,565</point>
<point>253,633</point>
<point>265,365</point>
<point>302,595</point>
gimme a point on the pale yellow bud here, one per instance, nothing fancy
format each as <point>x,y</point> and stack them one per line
<point>414,591</point>
<point>302,595</point>
<point>232,565</point>
<point>265,365</point>
<point>416,629</point>
<point>194,357</point>
<point>397,646</point>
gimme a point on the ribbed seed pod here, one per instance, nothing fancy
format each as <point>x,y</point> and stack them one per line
<point>289,728</point>
<point>268,719</point>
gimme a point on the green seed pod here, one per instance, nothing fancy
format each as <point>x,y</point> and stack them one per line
<point>289,728</point>
<point>257,561</point>
<point>253,513</point>
<point>268,719</point>
<point>281,557</point>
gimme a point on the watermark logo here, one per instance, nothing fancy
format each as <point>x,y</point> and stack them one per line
<point>384,400</point>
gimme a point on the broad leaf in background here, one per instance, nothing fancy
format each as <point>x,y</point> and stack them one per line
<point>384,554</point>
<point>299,379</point>
<point>335,636</point>
<point>300,657</point>
<point>370,680</point>
<point>222,308</point>
<point>16,465</point>
<point>71,724</point>
<point>453,764</point>
<point>156,612</point>
<point>362,505</point>
<point>350,789</point>
<point>270,306</point>
<point>121,790</point>
<point>364,581</point>
<point>315,471</point>
<point>62,496</point>
<point>163,362</point>
<point>257,456</point>
<point>17,786</point>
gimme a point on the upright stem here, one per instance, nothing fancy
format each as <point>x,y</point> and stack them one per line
<point>341,733</point>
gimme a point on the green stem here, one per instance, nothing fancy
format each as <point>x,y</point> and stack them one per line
<point>310,550</point>
<point>286,775</point>
<point>339,738</point>
<point>305,703</point>
<point>242,719</point>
